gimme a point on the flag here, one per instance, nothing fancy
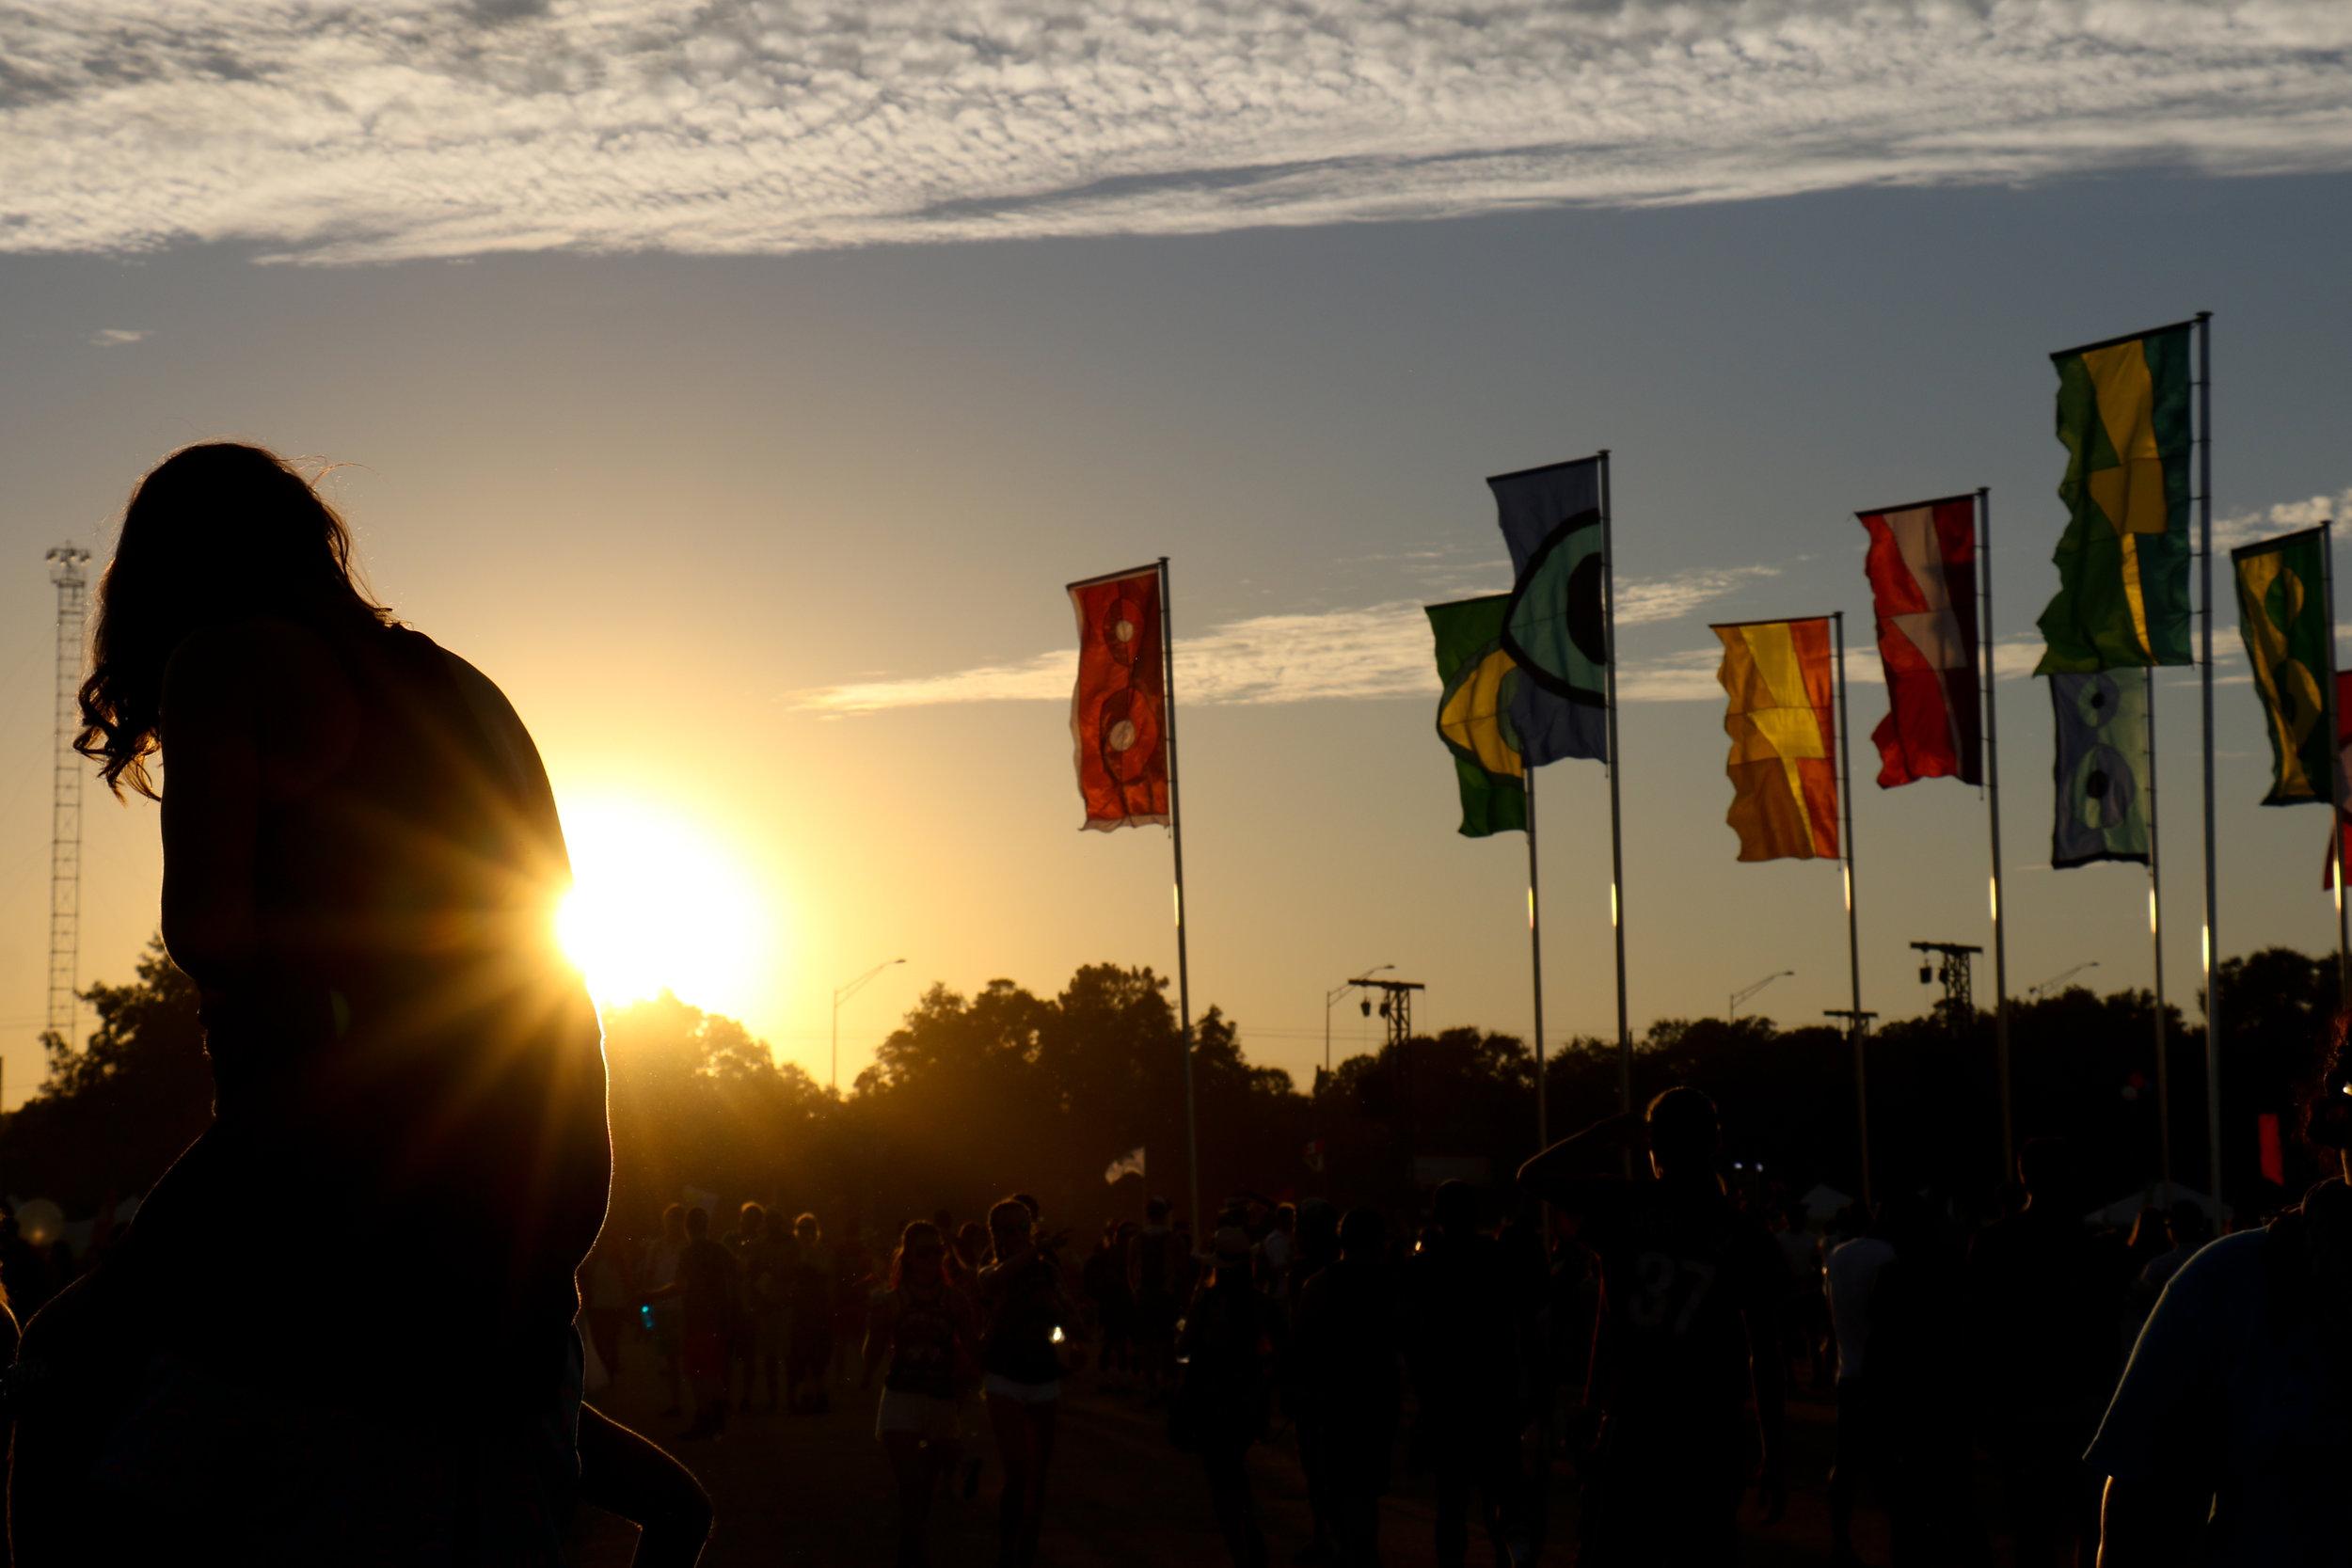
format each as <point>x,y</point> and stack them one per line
<point>2283,615</point>
<point>2102,768</point>
<point>1118,708</point>
<point>1554,626</point>
<point>2123,416</point>
<point>1922,567</point>
<point>2344,764</point>
<point>1129,1164</point>
<point>1474,714</point>
<point>1784,739</point>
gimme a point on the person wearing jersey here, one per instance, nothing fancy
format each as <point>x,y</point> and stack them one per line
<point>1690,1294</point>
<point>926,1335</point>
<point>1020,1292</point>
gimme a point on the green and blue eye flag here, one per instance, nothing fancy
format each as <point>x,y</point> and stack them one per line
<point>2102,768</point>
<point>1555,626</point>
<point>1474,714</point>
<point>2283,614</point>
<point>2123,416</point>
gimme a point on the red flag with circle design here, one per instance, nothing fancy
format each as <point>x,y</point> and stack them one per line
<point>1118,709</point>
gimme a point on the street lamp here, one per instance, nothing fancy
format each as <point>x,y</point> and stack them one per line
<point>1330,999</point>
<point>1742,994</point>
<point>842,993</point>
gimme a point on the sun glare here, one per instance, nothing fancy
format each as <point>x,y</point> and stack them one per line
<point>655,906</point>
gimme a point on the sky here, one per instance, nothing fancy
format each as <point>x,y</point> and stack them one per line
<point>738,387</point>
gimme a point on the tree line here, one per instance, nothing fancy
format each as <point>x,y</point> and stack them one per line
<point>972,1096</point>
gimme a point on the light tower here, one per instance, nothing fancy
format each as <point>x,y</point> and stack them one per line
<point>65,799</point>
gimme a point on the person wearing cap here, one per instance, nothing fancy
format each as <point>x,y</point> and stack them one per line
<point>1230,1338</point>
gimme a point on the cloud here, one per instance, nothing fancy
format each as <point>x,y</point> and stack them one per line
<point>325,131</point>
<point>2244,528</point>
<point>120,337</point>
<point>1378,650</point>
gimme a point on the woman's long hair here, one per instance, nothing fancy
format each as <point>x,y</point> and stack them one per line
<point>215,533</point>
<point>915,1234</point>
<point>1011,1217</point>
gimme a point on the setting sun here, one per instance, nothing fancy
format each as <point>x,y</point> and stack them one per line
<point>655,906</point>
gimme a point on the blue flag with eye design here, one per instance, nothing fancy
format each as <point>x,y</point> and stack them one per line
<point>2102,767</point>
<point>1555,622</point>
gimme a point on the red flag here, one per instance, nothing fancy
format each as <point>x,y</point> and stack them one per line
<point>2343,766</point>
<point>1117,711</point>
<point>1922,568</point>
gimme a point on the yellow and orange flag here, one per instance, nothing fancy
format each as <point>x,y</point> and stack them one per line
<point>1784,738</point>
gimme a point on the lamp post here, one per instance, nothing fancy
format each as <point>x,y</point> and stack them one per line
<point>1330,999</point>
<point>1743,993</point>
<point>842,993</point>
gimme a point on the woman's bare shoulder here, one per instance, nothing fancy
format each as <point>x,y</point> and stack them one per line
<point>220,669</point>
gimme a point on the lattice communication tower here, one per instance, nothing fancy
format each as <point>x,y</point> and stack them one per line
<point>66,564</point>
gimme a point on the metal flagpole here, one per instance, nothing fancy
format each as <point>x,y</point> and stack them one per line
<point>1853,931</point>
<point>1183,962</point>
<point>1617,831</point>
<point>1536,952</point>
<point>1992,811</point>
<point>2212,955</point>
<point>2335,768</point>
<point>2155,943</point>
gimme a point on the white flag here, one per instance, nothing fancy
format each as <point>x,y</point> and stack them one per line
<point>1129,1164</point>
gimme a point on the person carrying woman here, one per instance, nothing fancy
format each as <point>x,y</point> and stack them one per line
<point>927,1334</point>
<point>1021,1291</point>
<point>361,864</point>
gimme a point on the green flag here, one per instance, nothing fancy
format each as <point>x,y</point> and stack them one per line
<point>2283,614</point>
<point>2123,416</point>
<point>1474,715</point>
<point>2102,768</point>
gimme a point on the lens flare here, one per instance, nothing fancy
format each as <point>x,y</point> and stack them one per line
<point>656,906</point>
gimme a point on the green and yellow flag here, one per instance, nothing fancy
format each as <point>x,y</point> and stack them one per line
<point>1474,715</point>
<point>2123,416</point>
<point>2282,613</point>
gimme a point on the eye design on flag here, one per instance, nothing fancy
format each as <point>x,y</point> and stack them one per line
<point>1119,628</point>
<point>1129,728</point>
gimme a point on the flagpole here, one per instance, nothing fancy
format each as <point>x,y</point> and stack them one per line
<point>1617,831</point>
<point>2335,768</point>
<point>1853,930</point>
<point>1176,832</point>
<point>1993,812</point>
<point>2211,957</point>
<point>1535,953</point>
<point>2156,942</point>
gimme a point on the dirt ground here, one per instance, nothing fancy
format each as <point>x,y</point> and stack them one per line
<point>814,1489</point>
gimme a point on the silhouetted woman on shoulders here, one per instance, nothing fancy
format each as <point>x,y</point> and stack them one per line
<point>361,860</point>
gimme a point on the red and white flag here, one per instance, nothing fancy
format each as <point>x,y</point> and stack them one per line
<point>1922,568</point>
<point>1119,709</point>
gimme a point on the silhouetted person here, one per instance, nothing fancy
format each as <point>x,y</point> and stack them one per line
<point>1022,1372</point>
<point>1690,1291</point>
<point>710,1289</point>
<point>926,1335</point>
<point>1852,1274</point>
<point>1345,1346</point>
<point>361,859</point>
<point>1924,1386</point>
<point>808,1332</point>
<point>2042,1302</point>
<point>669,1335</point>
<point>759,1253</point>
<point>1158,1267</point>
<point>1104,1277</point>
<point>2230,1434</point>
<point>1231,1336</point>
<point>1316,1246</point>
<point>1462,1340</point>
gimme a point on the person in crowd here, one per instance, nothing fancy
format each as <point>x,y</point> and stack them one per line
<point>1315,1246</point>
<point>2229,1436</point>
<point>808,1345</point>
<point>1922,1389</point>
<point>1157,1265</point>
<point>662,1255</point>
<point>854,1288</point>
<point>2186,1229</point>
<point>1852,1274</point>
<point>360,857</point>
<point>968,1256</point>
<point>710,1289</point>
<point>925,1335</point>
<point>1527,1268</point>
<point>759,1256</point>
<point>1233,1334</point>
<point>2044,1301</point>
<point>1026,1313</point>
<point>1693,1291</point>
<point>1104,1278</point>
<point>1349,1387</point>
<point>1805,1319</point>
<point>1466,1313</point>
